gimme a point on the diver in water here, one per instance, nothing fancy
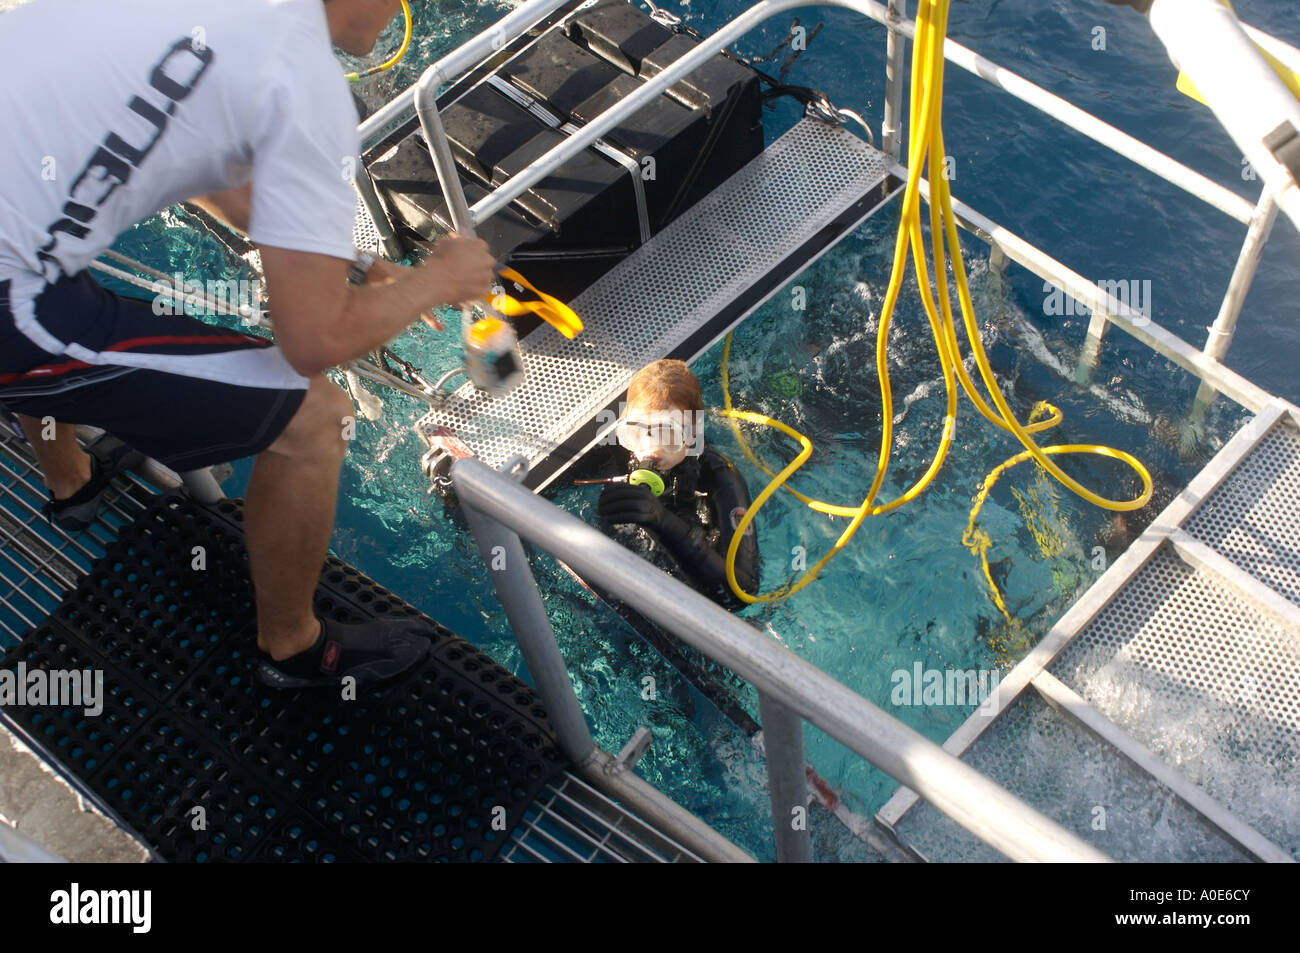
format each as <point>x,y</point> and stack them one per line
<point>669,497</point>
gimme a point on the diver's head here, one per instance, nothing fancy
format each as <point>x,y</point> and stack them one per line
<point>661,426</point>
<point>355,25</point>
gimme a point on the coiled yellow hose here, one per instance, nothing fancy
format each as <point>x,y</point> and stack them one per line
<point>925,150</point>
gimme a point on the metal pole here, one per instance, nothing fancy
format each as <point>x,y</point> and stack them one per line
<point>1225,324</point>
<point>203,486</point>
<point>426,107</point>
<point>1091,349</point>
<point>512,577</point>
<point>787,784</point>
<point>972,800</point>
<point>891,139</point>
<point>388,243</point>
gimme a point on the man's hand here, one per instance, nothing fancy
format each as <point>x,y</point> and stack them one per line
<point>465,259</point>
<point>465,265</point>
<point>321,321</point>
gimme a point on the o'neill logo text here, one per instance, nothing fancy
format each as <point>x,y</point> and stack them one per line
<point>117,158</point>
<point>77,906</point>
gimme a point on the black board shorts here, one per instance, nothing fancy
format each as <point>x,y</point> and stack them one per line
<point>186,393</point>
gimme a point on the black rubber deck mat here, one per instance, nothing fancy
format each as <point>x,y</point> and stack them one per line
<point>415,770</point>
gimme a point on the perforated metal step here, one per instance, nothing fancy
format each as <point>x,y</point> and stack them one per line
<point>1206,680</point>
<point>1081,782</point>
<point>1253,517</point>
<point>673,297</point>
<point>365,234</point>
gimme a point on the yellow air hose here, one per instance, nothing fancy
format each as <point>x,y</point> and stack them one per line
<point>396,57</point>
<point>925,150</point>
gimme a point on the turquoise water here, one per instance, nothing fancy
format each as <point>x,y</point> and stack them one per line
<point>906,590</point>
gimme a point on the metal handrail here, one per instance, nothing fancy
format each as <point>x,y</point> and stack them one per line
<point>456,62</point>
<point>1258,217</point>
<point>430,82</point>
<point>499,505</point>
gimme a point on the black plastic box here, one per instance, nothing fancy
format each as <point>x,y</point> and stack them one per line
<point>568,229</point>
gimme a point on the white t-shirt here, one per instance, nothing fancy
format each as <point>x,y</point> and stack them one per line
<point>111,111</point>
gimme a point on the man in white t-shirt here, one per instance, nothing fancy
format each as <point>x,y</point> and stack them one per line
<point>242,103</point>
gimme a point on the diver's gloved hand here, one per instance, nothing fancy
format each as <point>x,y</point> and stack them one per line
<point>624,503</point>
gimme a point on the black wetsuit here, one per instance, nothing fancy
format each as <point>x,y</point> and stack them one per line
<point>703,499</point>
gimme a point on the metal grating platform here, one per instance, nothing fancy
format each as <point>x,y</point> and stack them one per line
<point>1205,680</point>
<point>1055,765</point>
<point>40,562</point>
<point>1179,665</point>
<point>572,822</point>
<point>673,297</point>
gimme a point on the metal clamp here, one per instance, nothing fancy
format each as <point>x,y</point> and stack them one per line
<point>823,109</point>
<point>660,15</point>
<point>1284,143</point>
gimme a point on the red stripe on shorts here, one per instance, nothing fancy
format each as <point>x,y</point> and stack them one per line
<point>54,370</point>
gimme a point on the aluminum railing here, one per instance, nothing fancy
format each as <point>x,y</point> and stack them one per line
<point>959,55</point>
<point>501,513</point>
<point>790,689</point>
<point>421,98</point>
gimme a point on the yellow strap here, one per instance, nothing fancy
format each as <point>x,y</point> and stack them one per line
<point>547,307</point>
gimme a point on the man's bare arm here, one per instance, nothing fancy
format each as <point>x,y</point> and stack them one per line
<point>234,206</point>
<point>321,321</point>
<point>383,271</point>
